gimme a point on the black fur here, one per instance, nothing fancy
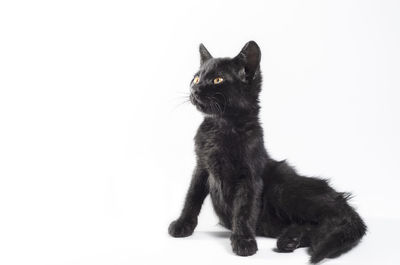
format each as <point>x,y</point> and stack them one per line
<point>251,193</point>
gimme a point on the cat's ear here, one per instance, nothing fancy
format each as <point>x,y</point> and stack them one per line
<point>204,54</point>
<point>249,57</point>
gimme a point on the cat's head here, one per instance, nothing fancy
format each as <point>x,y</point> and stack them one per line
<point>228,86</point>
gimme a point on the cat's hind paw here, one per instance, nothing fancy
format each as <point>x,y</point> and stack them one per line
<point>287,244</point>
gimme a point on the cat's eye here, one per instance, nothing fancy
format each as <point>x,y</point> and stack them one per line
<point>218,80</point>
<point>196,80</point>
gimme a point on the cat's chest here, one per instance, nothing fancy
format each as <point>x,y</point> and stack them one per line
<point>219,149</point>
<point>219,188</point>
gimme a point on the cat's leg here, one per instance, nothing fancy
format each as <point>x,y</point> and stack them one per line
<point>336,233</point>
<point>245,212</point>
<point>198,190</point>
<point>337,226</point>
<point>294,236</point>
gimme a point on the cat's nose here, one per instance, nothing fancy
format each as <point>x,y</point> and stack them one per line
<point>195,90</point>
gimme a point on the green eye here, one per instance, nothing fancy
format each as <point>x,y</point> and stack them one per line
<point>218,80</point>
<point>196,80</point>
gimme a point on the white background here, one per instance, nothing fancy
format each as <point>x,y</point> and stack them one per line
<point>96,149</point>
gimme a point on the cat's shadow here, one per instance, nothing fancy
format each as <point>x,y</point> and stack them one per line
<point>221,236</point>
<point>218,234</point>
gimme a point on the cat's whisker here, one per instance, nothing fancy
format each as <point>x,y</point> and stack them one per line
<point>181,97</point>
<point>224,98</point>
<point>213,104</point>
<point>217,105</point>
<point>186,100</point>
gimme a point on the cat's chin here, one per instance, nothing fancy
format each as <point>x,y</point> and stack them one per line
<point>204,111</point>
<point>203,107</point>
<point>200,106</point>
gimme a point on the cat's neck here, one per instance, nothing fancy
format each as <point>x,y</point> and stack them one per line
<point>234,120</point>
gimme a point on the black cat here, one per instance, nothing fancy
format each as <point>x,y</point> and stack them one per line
<point>251,193</point>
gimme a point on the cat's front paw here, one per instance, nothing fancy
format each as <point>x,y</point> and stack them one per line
<point>244,245</point>
<point>182,228</point>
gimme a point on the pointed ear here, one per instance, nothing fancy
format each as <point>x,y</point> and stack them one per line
<point>204,54</point>
<point>250,57</point>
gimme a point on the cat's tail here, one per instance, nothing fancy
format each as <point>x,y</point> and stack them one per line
<point>338,235</point>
